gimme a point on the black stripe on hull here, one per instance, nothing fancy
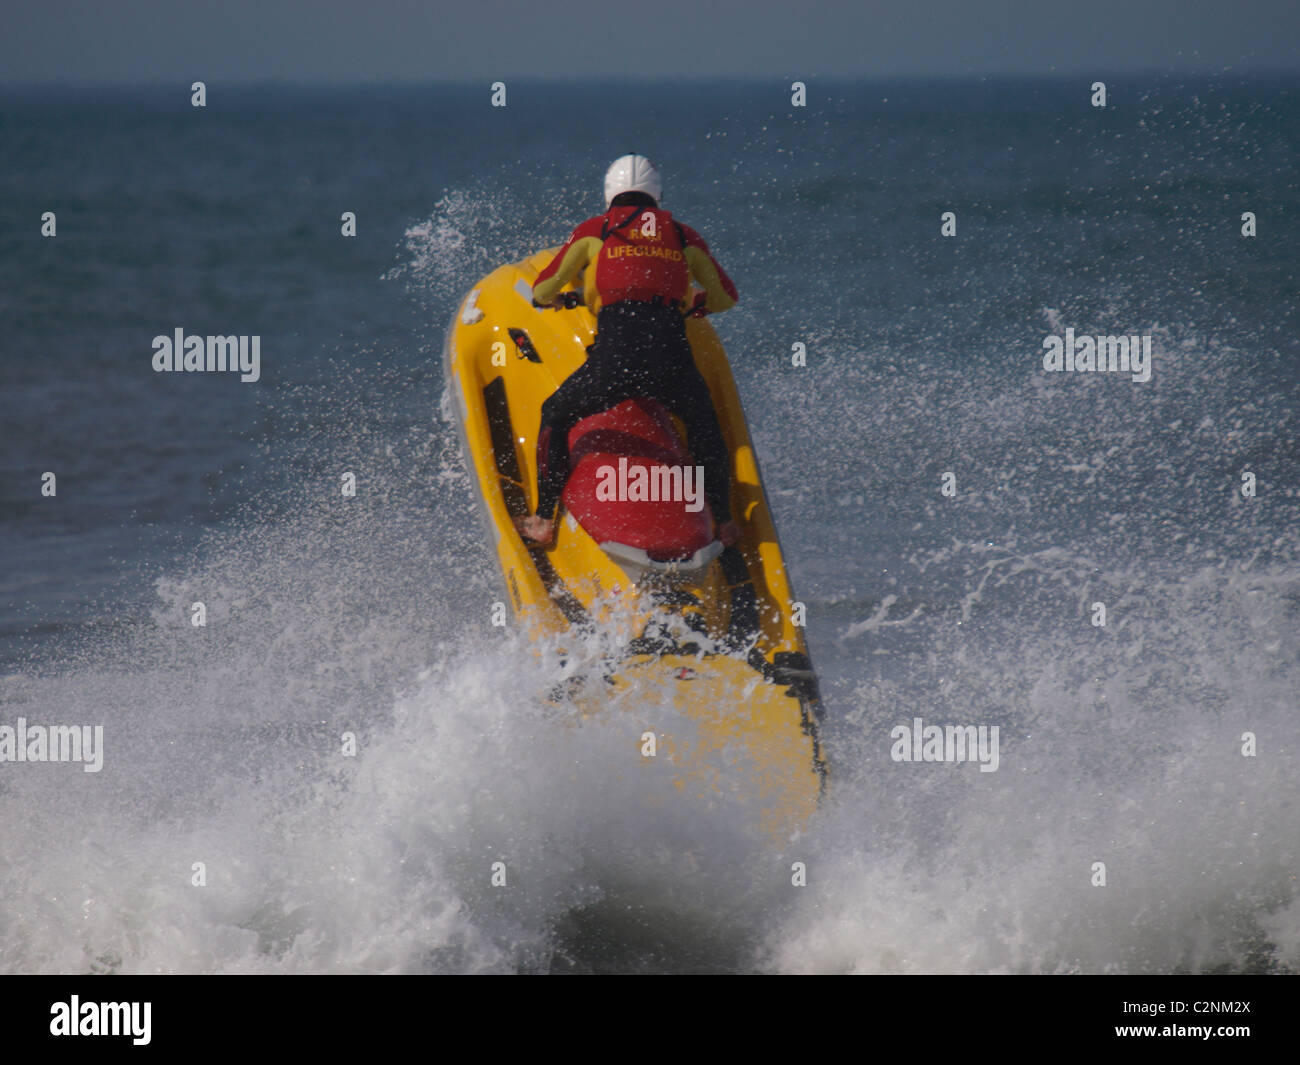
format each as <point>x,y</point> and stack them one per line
<point>510,477</point>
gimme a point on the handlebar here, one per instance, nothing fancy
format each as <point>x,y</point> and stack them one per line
<point>564,301</point>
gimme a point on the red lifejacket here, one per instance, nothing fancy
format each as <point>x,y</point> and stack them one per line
<point>642,256</point>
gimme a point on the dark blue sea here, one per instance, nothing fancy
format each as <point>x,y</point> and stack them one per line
<point>1143,816</point>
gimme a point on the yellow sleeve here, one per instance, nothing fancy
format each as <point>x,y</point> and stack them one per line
<point>716,297</point>
<point>571,265</point>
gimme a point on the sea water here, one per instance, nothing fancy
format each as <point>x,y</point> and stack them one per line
<point>341,764</point>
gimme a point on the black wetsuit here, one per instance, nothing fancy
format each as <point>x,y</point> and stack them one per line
<point>640,350</point>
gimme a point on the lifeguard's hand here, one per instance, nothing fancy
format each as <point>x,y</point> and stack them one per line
<point>537,529</point>
<point>729,533</point>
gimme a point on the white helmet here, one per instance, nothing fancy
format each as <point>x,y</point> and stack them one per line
<point>632,173</point>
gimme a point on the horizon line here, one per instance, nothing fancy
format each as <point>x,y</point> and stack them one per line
<point>272,81</point>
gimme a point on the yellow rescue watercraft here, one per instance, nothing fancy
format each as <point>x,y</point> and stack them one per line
<point>712,626</point>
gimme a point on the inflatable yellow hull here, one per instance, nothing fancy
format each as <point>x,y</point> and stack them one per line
<point>721,642</point>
